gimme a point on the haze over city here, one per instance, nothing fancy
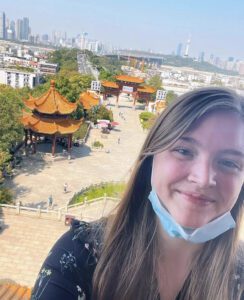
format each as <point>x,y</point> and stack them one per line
<point>159,26</point>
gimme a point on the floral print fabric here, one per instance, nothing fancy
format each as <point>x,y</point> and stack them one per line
<point>68,269</point>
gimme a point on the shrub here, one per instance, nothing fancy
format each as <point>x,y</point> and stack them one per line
<point>99,113</point>
<point>147,119</point>
<point>111,189</point>
<point>81,132</point>
<point>97,144</point>
<point>6,196</point>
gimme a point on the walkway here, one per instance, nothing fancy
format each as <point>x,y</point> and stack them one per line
<point>41,175</point>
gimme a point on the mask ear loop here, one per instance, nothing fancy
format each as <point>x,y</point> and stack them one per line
<point>152,172</point>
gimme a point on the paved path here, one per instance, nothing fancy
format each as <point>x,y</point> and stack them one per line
<point>25,242</point>
<point>42,175</point>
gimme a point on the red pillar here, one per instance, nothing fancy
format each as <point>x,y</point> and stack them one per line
<point>34,144</point>
<point>69,142</point>
<point>53,144</point>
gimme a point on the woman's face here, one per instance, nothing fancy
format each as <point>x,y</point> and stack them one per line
<point>200,177</point>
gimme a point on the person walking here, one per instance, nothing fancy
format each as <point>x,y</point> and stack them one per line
<point>50,201</point>
<point>65,187</point>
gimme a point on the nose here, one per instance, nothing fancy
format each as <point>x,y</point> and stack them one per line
<point>202,173</point>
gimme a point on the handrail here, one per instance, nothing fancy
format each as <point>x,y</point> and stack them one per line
<point>59,212</point>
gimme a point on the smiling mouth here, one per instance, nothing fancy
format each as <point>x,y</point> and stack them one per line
<point>196,198</point>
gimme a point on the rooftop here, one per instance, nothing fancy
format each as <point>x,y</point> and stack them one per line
<point>14,292</point>
<point>110,84</point>
<point>52,102</point>
<point>146,89</point>
<point>50,126</point>
<point>128,78</point>
<point>89,99</point>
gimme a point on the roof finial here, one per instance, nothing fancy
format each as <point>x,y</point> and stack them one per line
<point>52,83</point>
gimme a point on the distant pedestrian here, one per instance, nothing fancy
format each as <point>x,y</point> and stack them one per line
<point>65,187</point>
<point>50,201</point>
<point>118,140</point>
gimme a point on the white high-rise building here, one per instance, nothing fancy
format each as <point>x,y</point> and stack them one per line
<point>2,25</point>
<point>187,47</point>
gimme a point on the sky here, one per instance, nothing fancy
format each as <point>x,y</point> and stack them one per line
<point>215,26</point>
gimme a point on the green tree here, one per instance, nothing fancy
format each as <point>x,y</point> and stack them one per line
<point>5,196</point>
<point>171,95</point>
<point>11,129</point>
<point>156,82</point>
<point>65,58</point>
<point>99,113</point>
<point>106,75</point>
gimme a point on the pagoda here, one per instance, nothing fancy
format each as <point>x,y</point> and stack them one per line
<point>50,117</point>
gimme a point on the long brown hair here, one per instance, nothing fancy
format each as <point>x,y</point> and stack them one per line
<point>126,268</point>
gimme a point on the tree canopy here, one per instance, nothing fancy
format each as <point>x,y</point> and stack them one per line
<point>156,82</point>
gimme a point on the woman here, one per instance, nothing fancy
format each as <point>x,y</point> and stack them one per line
<point>176,231</point>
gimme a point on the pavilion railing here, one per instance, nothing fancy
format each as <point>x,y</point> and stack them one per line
<point>87,210</point>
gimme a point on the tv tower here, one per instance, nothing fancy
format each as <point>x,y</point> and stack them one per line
<point>187,46</point>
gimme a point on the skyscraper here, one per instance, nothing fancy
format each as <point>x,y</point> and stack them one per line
<point>201,56</point>
<point>179,49</point>
<point>25,29</point>
<point>19,26</point>
<point>2,25</point>
<point>187,47</point>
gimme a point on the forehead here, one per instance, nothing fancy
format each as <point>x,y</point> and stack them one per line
<point>219,127</point>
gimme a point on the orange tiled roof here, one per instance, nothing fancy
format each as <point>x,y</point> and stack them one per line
<point>50,126</point>
<point>14,291</point>
<point>88,100</point>
<point>51,103</point>
<point>110,84</point>
<point>128,78</point>
<point>30,103</point>
<point>146,89</point>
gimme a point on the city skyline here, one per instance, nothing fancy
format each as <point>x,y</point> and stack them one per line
<point>215,28</point>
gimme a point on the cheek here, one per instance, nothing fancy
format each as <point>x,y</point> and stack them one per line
<point>171,172</point>
<point>230,191</point>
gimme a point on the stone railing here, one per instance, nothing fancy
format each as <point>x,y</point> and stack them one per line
<point>88,210</point>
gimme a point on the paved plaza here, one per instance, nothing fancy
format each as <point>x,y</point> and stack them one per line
<point>41,175</point>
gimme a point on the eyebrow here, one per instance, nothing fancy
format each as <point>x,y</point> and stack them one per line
<point>226,151</point>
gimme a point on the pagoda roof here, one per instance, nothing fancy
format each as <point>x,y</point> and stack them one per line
<point>14,291</point>
<point>110,84</point>
<point>146,89</point>
<point>128,78</point>
<point>50,126</point>
<point>51,102</point>
<point>89,99</point>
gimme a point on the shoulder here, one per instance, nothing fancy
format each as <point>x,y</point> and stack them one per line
<point>88,235</point>
<point>69,266</point>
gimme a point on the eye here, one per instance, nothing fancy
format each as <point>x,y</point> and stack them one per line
<point>229,164</point>
<point>183,152</point>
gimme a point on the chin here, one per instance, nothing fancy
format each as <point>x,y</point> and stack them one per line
<point>190,223</point>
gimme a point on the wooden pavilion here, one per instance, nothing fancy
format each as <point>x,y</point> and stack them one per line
<point>50,117</point>
<point>129,85</point>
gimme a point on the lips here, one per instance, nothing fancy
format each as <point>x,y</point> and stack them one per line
<point>196,198</point>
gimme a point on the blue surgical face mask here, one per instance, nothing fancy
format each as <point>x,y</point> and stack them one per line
<point>198,235</point>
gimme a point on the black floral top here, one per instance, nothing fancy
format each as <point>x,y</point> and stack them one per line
<point>68,269</point>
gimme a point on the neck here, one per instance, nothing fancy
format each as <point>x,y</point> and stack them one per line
<point>174,254</point>
<point>173,245</point>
